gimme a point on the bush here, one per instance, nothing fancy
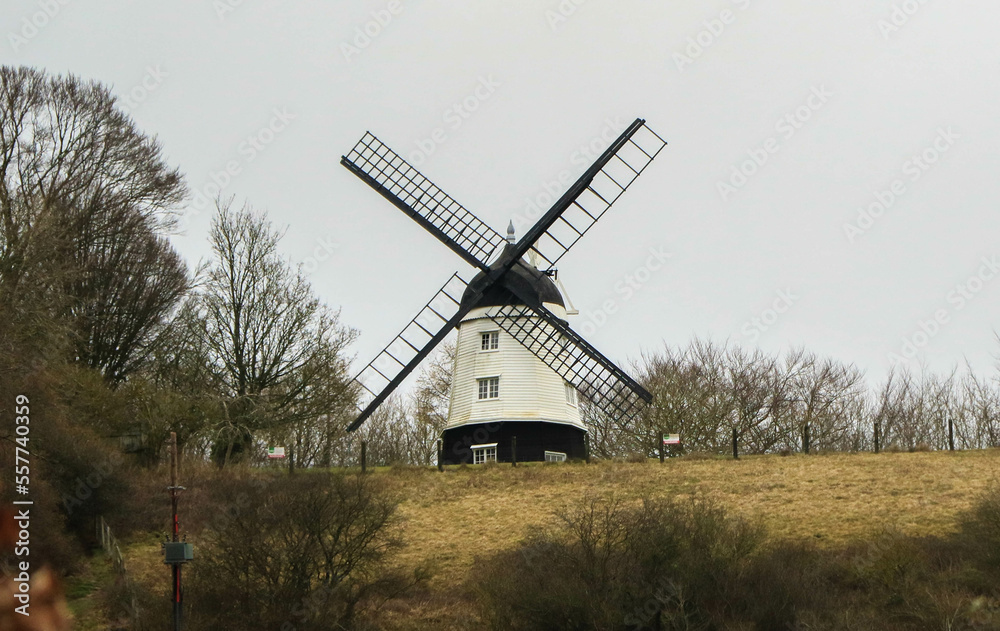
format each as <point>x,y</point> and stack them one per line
<point>664,564</point>
<point>980,529</point>
<point>303,552</point>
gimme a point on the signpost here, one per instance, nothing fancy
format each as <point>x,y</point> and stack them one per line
<point>275,452</point>
<point>175,551</point>
<point>667,440</point>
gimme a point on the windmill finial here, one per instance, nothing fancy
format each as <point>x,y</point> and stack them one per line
<point>510,233</point>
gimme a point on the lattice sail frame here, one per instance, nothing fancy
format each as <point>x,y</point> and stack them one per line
<point>417,339</point>
<point>618,172</point>
<point>596,377</point>
<point>396,180</point>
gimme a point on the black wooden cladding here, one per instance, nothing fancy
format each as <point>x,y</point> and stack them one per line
<point>534,438</point>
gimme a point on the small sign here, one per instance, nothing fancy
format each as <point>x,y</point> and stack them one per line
<point>672,439</point>
<point>275,452</point>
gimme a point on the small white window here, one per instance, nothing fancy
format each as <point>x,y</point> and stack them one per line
<point>482,454</point>
<point>570,393</point>
<point>489,388</point>
<point>490,341</point>
<point>555,456</point>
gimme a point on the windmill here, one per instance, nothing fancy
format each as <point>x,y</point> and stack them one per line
<point>519,367</point>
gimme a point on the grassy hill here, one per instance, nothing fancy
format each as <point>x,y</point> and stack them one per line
<point>451,519</point>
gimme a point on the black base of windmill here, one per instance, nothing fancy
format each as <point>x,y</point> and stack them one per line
<point>533,440</point>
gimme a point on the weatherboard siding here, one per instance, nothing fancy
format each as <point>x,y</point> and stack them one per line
<point>529,390</point>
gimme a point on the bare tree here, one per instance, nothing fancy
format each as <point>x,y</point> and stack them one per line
<point>981,408</point>
<point>430,401</point>
<point>84,200</point>
<point>692,395</point>
<point>825,395</point>
<point>762,399</point>
<point>277,352</point>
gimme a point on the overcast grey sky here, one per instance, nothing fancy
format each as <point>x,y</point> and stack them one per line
<point>784,119</point>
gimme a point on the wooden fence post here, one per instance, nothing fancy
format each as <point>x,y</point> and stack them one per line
<point>364,456</point>
<point>951,435</point>
<point>661,448</point>
<point>513,451</point>
<point>876,437</point>
<point>805,438</point>
<point>736,445</point>
<point>440,445</point>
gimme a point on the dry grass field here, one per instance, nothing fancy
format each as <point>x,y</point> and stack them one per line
<point>450,518</point>
<point>829,498</point>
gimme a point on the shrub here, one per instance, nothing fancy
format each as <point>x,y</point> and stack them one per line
<point>664,564</point>
<point>980,528</point>
<point>304,552</point>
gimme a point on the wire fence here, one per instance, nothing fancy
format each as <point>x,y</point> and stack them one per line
<point>109,543</point>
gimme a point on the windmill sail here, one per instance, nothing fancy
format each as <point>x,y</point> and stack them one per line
<point>455,226</point>
<point>596,377</point>
<point>418,338</point>
<point>593,194</point>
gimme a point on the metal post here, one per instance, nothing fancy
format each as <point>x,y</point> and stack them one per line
<point>661,448</point>
<point>364,456</point>
<point>176,567</point>
<point>513,451</point>
<point>805,438</point>
<point>951,435</point>
<point>736,445</point>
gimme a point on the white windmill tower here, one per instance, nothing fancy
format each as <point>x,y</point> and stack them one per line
<point>518,365</point>
<point>500,389</point>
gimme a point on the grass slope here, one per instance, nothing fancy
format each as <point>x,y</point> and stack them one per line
<point>833,498</point>
<point>450,518</point>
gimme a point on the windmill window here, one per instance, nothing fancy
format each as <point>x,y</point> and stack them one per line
<point>570,393</point>
<point>490,341</point>
<point>489,388</point>
<point>481,454</point>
